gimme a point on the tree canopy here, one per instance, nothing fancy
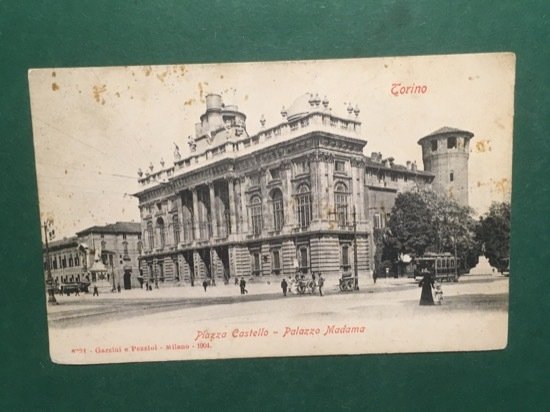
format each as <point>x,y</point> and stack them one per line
<point>494,234</point>
<point>424,221</point>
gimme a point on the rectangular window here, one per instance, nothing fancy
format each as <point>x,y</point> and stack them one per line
<point>304,266</point>
<point>275,174</point>
<point>434,145</point>
<point>451,143</point>
<point>345,257</point>
<point>378,221</point>
<point>256,263</point>
<point>340,166</point>
<point>276,261</point>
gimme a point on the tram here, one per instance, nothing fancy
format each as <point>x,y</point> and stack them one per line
<point>442,266</point>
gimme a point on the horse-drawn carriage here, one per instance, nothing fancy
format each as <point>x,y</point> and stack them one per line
<point>301,285</point>
<point>348,282</point>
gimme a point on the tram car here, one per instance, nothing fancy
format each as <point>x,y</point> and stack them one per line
<point>442,266</point>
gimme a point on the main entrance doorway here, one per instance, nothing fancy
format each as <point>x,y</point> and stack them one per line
<point>127,279</point>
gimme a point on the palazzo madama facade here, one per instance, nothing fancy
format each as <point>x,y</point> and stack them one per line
<point>275,203</point>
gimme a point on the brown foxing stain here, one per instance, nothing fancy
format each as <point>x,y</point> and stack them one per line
<point>54,74</point>
<point>55,87</point>
<point>221,76</point>
<point>147,70</point>
<point>66,172</point>
<point>482,146</point>
<point>245,97</point>
<point>98,92</point>
<point>162,76</point>
<point>201,90</point>
<point>117,94</point>
<point>189,102</point>
<point>502,185</point>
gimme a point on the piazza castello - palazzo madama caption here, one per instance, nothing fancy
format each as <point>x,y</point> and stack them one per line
<point>293,198</point>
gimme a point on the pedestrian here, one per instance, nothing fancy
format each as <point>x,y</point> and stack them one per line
<point>284,286</point>
<point>96,291</point>
<point>427,283</point>
<point>118,288</point>
<point>320,283</point>
<point>236,280</point>
<point>242,284</point>
<point>205,284</point>
<point>77,292</point>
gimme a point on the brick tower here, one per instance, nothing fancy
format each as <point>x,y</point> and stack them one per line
<point>445,153</point>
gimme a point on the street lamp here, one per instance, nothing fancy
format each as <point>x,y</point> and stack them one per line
<point>49,280</point>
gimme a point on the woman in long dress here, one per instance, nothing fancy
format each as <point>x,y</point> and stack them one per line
<point>427,284</point>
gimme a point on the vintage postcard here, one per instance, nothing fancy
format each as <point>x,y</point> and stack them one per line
<point>267,209</point>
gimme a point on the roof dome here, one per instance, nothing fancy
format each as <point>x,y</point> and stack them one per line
<point>300,107</point>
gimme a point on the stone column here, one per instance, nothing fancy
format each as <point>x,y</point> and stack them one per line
<point>179,207</point>
<point>196,229</point>
<point>213,212</point>
<point>230,189</point>
<point>244,211</point>
<point>316,194</point>
<point>290,219</point>
<point>267,221</point>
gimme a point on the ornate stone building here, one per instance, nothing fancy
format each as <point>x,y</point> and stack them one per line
<point>274,203</point>
<point>117,245</point>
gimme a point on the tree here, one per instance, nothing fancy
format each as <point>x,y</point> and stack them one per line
<point>424,221</point>
<point>410,225</point>
<point>494,234</point>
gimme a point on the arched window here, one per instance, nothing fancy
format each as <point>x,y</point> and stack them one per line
<point>256,214</point>
<point>150,235</point>
<point>304,206</point>
<point>278,209</point>
<point>162,232</point>
<point>341,203</point>
<point>176,227</point>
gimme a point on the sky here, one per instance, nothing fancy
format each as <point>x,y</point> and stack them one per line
<point>94,127</point>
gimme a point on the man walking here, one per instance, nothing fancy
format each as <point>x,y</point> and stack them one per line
<point>320,283</point>
<point>242,284</point>
<point>96,291</point>
<point>284,286</point>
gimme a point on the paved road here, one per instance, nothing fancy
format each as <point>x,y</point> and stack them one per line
<point>486,293</point>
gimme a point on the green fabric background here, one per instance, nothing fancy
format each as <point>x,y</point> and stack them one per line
<point>67,33</point>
